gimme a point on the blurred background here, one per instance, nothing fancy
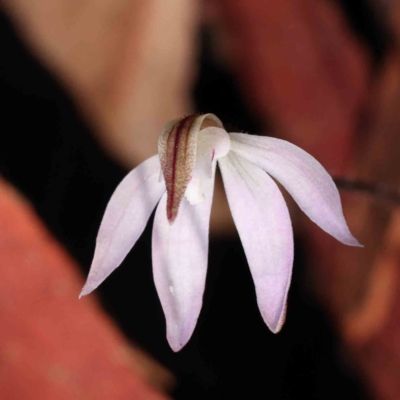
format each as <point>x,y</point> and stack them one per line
<point>86,87</point>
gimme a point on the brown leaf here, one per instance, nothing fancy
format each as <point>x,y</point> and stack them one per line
<point>127,63</point>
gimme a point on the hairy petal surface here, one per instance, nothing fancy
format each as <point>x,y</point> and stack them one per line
<point>302,176</point>
<point>180,256</point>
<point>263,222</point>
<point>124,220</point>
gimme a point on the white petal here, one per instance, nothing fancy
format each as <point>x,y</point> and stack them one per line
<point>302,176</point>
<point>180,255</point>
<point>263,222</point>
<point>124,220</point>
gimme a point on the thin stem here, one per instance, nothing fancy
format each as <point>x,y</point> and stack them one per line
<point>380,189</point>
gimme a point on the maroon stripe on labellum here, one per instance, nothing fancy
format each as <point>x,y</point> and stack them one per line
<point>179,160</point>
<point>171,194</point>
<point>177,148</point>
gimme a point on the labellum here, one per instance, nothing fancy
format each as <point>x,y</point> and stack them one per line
<point>177,148</point>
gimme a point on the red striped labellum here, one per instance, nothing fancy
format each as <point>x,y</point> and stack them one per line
<point>177,148</point>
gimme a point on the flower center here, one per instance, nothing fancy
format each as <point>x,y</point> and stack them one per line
<point>188,149</point>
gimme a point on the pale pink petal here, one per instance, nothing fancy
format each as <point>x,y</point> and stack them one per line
<point>124,220</point>
<point>302,176</point>
<point>180,255</point>
<point>263,222</point>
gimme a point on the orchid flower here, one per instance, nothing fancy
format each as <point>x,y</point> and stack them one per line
<point>181,180</point>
